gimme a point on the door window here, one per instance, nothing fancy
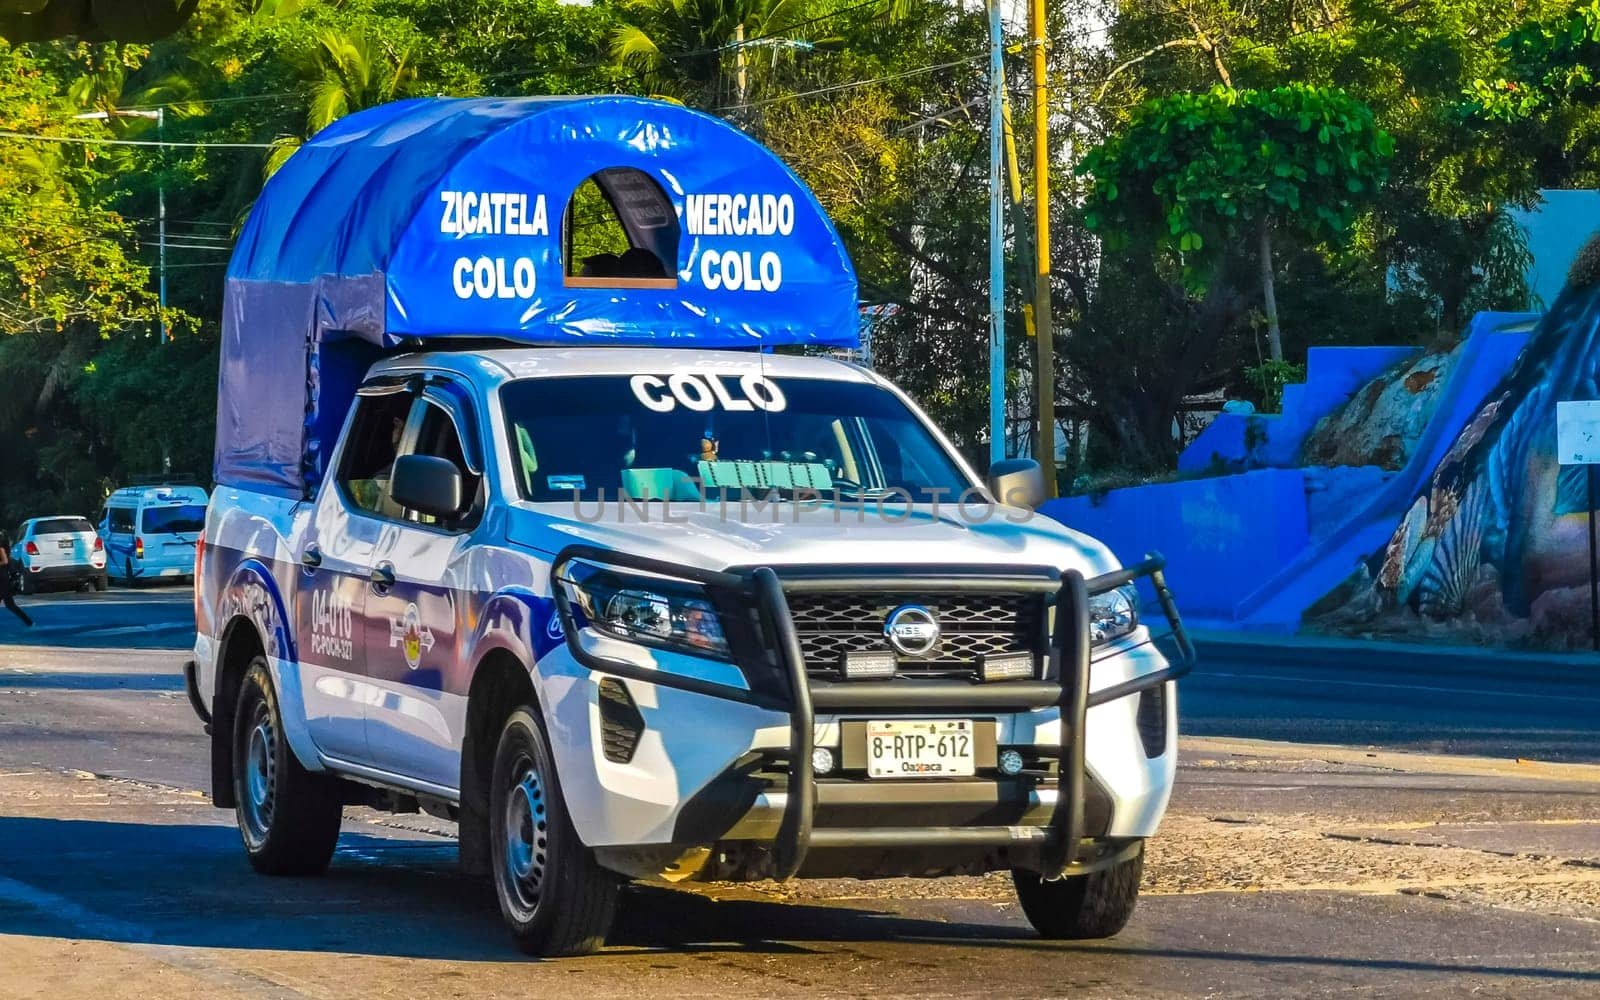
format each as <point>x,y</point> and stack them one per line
<point>370,450</point>
<point>121,520</point>
<point>437,436</point>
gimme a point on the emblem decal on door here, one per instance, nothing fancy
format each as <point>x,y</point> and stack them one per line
<point>411,635</point>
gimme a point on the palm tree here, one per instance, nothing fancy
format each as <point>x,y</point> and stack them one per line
<point>685,46</point>
<point>344,73</point>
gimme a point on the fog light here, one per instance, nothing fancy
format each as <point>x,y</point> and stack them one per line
<point>1007,667</point>
<point>1010,762</point>
<point>822,760</point>
<point>868,666</point>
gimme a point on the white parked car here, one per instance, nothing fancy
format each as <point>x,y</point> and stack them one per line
<point>58,551</point>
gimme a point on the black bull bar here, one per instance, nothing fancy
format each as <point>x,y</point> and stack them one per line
<point>1066,683</point>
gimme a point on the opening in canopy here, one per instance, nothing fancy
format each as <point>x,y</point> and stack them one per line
<point>620,231</point>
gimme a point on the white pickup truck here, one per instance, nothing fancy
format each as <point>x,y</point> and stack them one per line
<point>631,612</point>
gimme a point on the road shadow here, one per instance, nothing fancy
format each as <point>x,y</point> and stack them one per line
<point>189,885</point>
<point>55,681</point>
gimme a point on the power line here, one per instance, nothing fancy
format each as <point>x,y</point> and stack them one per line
<point>186,246</point>
<point>925,70</point>
<point>691,53</point>
<point>87,141</point>
<point>240,99</point>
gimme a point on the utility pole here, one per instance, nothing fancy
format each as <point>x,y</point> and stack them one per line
<point>738,61</point>
<point>997,287</point>
<point>159,116</point>
<point>161,218</point>
<point>1044,375</point>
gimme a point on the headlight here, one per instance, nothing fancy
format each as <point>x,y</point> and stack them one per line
<point>1113,614</point>
<point>654,611</point>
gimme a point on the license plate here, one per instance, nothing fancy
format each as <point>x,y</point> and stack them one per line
<point>65,543</point>
<point>909,748</point>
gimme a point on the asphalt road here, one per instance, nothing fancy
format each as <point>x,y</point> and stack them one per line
<point>1388,695</point>
<point>1282,871</point>
<point>1369,694</point>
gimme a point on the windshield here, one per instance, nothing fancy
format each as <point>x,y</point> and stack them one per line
<point>687,435</point>
<point>166,520</point>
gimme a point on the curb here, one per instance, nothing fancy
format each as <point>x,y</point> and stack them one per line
<point>1318,652</point>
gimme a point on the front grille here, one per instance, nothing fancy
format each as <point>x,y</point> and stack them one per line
<point>971,626</point>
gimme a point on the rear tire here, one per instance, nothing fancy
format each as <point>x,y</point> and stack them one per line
<point>1081,907</point>
<point>553,896</point>
<point>288,817</point>
<point>25,585</point>
<point>100,584</point>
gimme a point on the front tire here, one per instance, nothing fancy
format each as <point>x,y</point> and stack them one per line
<point>1081,907</point>
<point>288,817</point>
<point>555,899</point>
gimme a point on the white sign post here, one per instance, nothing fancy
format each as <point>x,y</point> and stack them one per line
<point>1578,443</point>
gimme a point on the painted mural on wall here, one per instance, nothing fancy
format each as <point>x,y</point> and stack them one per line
<point>1497,543</point>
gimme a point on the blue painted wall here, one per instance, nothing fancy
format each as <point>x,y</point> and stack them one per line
<point>1237,441</point>
<point>1221,536</point>
<point>1255,548</point>
<point>1557,228</point>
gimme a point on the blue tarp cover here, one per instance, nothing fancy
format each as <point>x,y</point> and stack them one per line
<point>436,218</point>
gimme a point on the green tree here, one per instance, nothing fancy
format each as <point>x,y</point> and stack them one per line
<point>1545,97</point>
<point>684,47</point>
<point>96,20</point>
<point>345,72</point>
<point>1201,175</point>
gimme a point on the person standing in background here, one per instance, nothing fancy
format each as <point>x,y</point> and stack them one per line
<point>8,587</point>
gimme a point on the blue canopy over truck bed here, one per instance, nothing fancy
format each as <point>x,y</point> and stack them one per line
<point>451,218</point>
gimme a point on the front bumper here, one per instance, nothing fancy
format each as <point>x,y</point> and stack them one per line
<point>1050,822</point>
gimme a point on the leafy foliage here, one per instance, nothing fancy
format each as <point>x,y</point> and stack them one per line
<point>1546,97</point>
<point>1198,173</point>
<point>126,20</point>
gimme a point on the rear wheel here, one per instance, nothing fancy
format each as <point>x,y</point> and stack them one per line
<point>288,816</point>
<point>100,583</point>
<point>554,897</point>
<point>25,584</point>
<point>1080,907</point>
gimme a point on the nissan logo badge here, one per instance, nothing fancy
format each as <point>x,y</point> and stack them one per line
<point>912,630</point>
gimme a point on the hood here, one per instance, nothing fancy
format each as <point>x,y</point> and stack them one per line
<point>811,534</point>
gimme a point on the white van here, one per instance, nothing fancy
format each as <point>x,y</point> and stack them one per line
<point>150,531</point>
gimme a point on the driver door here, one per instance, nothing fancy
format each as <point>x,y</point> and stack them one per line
<point>417,608</point>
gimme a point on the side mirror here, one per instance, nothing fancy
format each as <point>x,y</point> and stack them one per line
<point>1017,482</point>
<point>426,484</point>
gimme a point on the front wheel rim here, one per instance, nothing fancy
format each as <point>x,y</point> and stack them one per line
<point>524,830</point>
